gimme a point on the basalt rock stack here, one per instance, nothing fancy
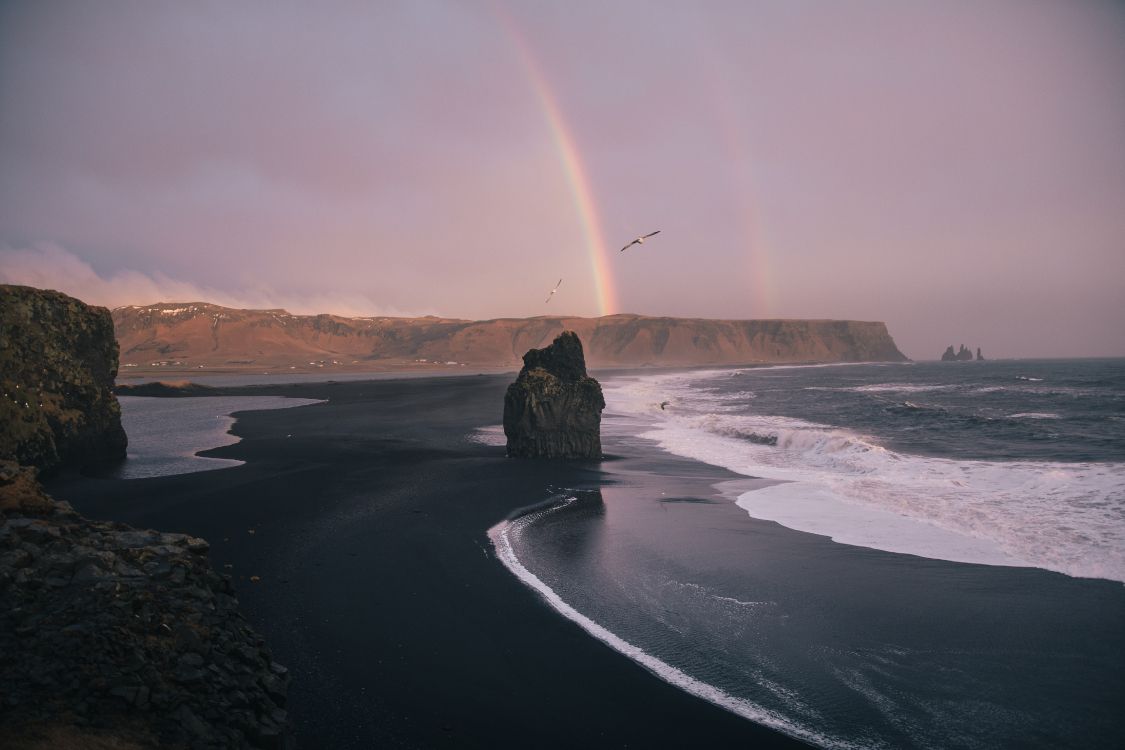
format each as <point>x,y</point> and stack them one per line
<point>554,409</point>
<point>961,355</point>
<point>58,360</point>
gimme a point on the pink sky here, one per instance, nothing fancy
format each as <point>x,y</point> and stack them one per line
<point>956,169</point>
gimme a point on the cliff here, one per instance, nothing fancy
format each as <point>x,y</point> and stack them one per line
<point>554,409</point>
<point>198,335</point>
<point>109,636</point>
<point>58,361</point>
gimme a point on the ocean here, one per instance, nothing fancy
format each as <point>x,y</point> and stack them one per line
<point>166,433</point>
<point>919,555</point>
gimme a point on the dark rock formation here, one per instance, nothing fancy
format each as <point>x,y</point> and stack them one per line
<point>105,628</point>
<point>961,355</point>
<point>58,359</point>
<point>553,409</point>
<point>109,636</point>
<point>980,357</point>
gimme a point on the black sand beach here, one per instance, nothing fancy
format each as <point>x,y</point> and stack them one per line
<point>363,522</point>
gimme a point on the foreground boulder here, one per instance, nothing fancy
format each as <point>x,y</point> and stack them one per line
<point>113,633</point>
<point>58,360</point>
<point>554,409</point>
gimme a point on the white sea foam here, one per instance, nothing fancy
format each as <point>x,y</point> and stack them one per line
<point>503,537</point>
<point>900,388</point>
<point>1066,517</point>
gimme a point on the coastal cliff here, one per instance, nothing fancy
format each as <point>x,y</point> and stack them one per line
<point>58,361</point>
<point>110,636</point>
<point>554,409</point>
<point>198,335</point>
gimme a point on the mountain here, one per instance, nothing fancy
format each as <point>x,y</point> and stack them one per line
<point>199,335</point>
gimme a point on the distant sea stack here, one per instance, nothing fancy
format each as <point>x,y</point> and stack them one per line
<point>554,409</point>
<point>58,360</point>
<point>961,355</point>
<point>195,335</point>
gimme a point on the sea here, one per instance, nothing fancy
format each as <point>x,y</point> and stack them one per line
<point>201,423</point>
<point>904,555</point>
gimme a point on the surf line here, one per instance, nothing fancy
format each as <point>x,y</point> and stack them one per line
<point>501,536</point>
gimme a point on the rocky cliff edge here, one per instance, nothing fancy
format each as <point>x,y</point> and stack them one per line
<point>58,361</point>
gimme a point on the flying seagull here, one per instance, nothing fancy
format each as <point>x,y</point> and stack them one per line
<point>552,294</point>
<point>640,240</point>
<point>663,404</point>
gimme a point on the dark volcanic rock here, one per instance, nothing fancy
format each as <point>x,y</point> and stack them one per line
<point>58,359</point>
<point>553,409</point>
<point>961,355</point>
<point>89,640</point>
<point>109,636</point>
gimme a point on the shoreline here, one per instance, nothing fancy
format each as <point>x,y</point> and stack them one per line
<point>506,553</point>
<point>378,481</point>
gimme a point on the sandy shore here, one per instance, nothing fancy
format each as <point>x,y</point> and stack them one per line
<point>364,521</point>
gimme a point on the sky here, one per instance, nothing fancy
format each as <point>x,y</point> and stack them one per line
<point>954,168</point>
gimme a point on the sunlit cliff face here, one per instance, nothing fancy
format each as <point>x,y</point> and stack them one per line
<point>955,171</point>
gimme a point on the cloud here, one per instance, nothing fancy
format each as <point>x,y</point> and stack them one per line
<point>49,266</point>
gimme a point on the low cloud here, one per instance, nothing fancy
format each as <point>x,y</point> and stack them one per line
<point>49,266</point>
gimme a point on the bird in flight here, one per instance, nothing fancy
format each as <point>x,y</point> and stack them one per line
<point>663,404</point>
<point>552,294</point>
<point>640,240</point>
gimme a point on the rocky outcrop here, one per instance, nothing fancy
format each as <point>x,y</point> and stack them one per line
<point>961,355</point>
<point>980,357</point>
<point>105,627</point>
<point>109,636</point>
<point>58,360</point>
<point>554,409</point>
<point>188,336</point>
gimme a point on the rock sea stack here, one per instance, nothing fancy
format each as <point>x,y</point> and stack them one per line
<point>58,360</point>
<point>554,409</point>
<point>961,355</point>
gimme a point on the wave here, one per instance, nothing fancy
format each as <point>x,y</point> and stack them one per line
<point>1065,517</point>
<point>899,388</point>
<point>505,537</point>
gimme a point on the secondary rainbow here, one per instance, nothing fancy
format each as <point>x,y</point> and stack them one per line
<point>576,176</point>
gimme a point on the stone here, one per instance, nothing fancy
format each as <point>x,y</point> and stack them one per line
<point>58,361</point>
<point>961,355</point>
<point>554,409</point>
<point>104,624</point>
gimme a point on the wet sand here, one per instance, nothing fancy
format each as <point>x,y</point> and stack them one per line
<point>365,520</point>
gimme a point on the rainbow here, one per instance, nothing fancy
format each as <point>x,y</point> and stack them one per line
<point>762,302</point>
<point>577,179</point>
